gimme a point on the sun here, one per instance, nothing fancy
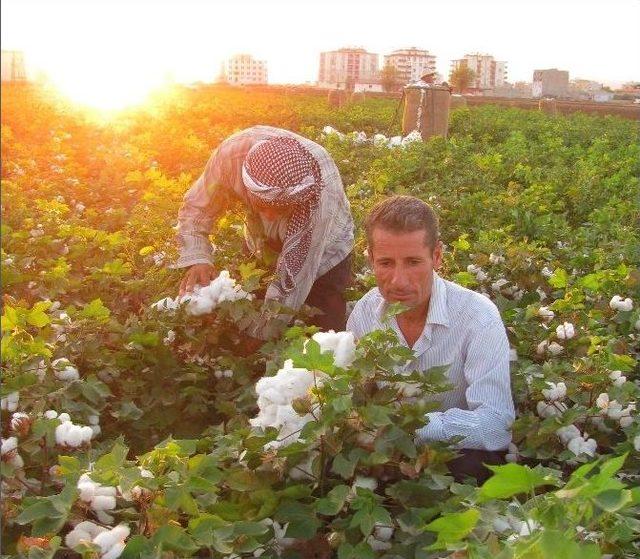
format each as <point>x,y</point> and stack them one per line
<point>105,93</point>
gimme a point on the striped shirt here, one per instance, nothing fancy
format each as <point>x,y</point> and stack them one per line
<point>464,330</point>
<point>221,184</point>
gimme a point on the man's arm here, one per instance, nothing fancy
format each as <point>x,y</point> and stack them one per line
<point>486,424</point>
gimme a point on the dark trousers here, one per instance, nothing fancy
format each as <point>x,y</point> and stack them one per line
<point>327,295</point>
<point>471,464</point>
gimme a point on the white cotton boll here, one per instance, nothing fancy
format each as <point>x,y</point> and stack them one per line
<point>68,374</point>
<point>62,432</point>
<point>382,532</point>
<point>626,421</point>
<point>8,445</point>
<point>499,284</point>
<point>565,331</point>
<point>637,324</point>
<point>411,137</point>
<point>87,433</point>
<point>617,303</point>
<point>526,528</point>
<point>228,373</point>
<point>555,391</point>
<point>636,443</point>
<point>329,130</point>
<point>565,434</point>
<point>555,348</point>
<point>395,141</point>
<point>358,137</point>
<point>10,402</point>
<point>481,276</point>
<point>473,269</point>
<point>50,414</point>
<point>169,338</point>
<point>83,532</point>
<point>546,272</point>
<point>501,524</point>
<point>541,293</point>
<point>342,344</point>
<point>581,445</point>
<point>546,313</point>
<point>270,397</point>
<point>64,417</point>
<point>542,347</point>
<point>74,436</point>
<point>365,483</point>
<point>106,491</point>
<point>554,409</point>
<point>379,140</point>
<point>18,419</point>
<point>602,401</point>
<point>87,491</point>
<point>93,419</point>
<point>103,502</point>
<point>618,378</point>
<point>496,258</point>
<point>166,304</point>
<point>304,470</point>
<point>95,430</point>
<point>513,355</point>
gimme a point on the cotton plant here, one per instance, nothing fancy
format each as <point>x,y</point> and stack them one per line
<point>20,423</point>
<point>101,498</point>
<point>496,259</point>
<point>614,410</point>
<point>136,493</point>
<point>111,542</point>
<point>552,348</point>
<point>478,272</point>
<point>618,379</point>
<point>576,442</point>
<point>546,314</point>
<point>203,300</point>
<point>276,395</point>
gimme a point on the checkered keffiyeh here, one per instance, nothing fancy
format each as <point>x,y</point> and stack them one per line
<point>281,172</point>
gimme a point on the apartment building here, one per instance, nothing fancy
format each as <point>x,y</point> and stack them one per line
<point>13,68</point>
<point>243,69</point>
<point>343,68</point>
<point>488,72</point>
<point>411,63</point>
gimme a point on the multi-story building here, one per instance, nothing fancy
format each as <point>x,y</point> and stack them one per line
<point>488,72</point>
<point>343,68</point>
<point>551,82</point>
<point>411,64</point>
<point>13,69</point>
<point>243,69</point>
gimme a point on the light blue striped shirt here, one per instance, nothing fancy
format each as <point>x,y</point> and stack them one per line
<point>464,330</point>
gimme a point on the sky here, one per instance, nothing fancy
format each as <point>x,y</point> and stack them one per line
<point>96,43</point>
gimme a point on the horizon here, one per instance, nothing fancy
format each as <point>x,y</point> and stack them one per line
<point>80,44</point>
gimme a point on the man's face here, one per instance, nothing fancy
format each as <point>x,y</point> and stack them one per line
<point>403,265</point>
<point>270,212</point>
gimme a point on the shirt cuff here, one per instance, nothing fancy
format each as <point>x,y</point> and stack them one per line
<point>432,431</point>
<point>190,261</point>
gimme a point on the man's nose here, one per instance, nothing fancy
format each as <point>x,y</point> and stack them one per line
<point>398,277</point>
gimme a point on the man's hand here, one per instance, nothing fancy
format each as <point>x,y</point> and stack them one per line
<point>198,274</point>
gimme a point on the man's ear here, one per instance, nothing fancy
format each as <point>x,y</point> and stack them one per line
<point>437,255</point>
<point>369,251</point>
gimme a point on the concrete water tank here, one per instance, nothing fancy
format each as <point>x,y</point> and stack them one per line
<point>426,109</point>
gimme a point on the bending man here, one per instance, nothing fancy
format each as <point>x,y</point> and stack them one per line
<point>295,208</point>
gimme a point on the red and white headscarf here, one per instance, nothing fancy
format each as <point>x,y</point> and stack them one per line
<point>281,172</point>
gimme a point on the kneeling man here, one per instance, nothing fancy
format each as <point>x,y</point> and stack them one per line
<point>445,324</point>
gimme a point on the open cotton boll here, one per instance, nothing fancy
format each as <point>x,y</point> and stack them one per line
<point>379,140</point>
<point>304,469</point>
<point>395,141</point>
<point>618,378</point>
<point>8,445</point>
<point>365,483</point>
<point>581,445</point>
<point>382,532</point>
<point>64,370</point>
<point>553,409</point>
<point>555,391</point>
<point>50,414</point>
<point>546,314</point>
<point>565,434</point>
<point>342,344</point>
<point>565,331</point>
<point>411,137</point>
<point>109,538</point>
<point>19,420</point>
<point>84,532</point>
<point>617,303</point>
<point>377,545</point>
<point>10,402</point>
<point>103,502</point>
<point>64,417</point>
<point>166,304</point>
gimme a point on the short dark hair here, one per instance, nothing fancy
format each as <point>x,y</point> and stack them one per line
<point>404,214</point>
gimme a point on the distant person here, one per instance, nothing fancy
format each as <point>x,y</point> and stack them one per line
<point>444,324</point>
<point>295,209</point>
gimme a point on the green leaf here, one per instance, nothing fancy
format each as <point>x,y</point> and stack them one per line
<point>178,498</point>
<point>113,459</point>
<point>174,538</point>
<point>243,480</point>
<point>451,528</point>
<point>95,309</point>
<point>40,509</point>
<point>511,479</point>
<point>38,318</point>
<point>554,543</point>
<point>202,528</point>
<point>302,519</point>
<point>334,501</point>
<point>462,243</point>
<point>559,279</point>
<point>613,500</point>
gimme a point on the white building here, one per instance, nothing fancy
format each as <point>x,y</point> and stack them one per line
<point>13,69</point>
<point>411,63</point>
<point>488,72</point>
<point>243,69</point>
<point>343,68</point>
